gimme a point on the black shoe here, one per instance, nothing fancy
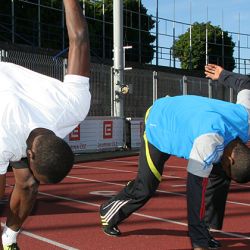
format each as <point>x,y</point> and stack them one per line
<point>111,230</point>
<point>213,243</point>
<point>13,246</point>
<point>108,229</point>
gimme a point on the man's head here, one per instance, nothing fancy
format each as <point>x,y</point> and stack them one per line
<point>236,161</point>
<point>50,157</point>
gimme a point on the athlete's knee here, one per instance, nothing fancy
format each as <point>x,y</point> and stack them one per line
<point>137,190</point>
<point>145,193</point>
<point>148,193</point>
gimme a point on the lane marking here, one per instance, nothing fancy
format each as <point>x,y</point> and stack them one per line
<point>105,193</point>
<point>158,190</point>
<point>136,163</point>
<point>138,214</point>
<point>165,176</point>
<point>121,185</point>
<point>241,236</point>
<point>124,171</point>
<point>51,242</point>
<point>175,167</point>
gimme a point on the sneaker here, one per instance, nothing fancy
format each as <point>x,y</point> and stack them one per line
<point>13,246</point>
<point>111,230</point>
<point>214,244</point>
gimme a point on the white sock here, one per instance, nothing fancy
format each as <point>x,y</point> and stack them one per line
<point>9,236</point>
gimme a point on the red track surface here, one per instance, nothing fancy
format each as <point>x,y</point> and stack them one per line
<point>66,215</point>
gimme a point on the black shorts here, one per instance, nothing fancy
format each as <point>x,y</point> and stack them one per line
<point>23,163</point>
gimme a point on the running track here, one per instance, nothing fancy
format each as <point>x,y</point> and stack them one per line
<point>66,215</point>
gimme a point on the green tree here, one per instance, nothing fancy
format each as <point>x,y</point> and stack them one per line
<point>143,51</point>
<point>27,28</point>
<point>195,57</point>
<point>49,32</point>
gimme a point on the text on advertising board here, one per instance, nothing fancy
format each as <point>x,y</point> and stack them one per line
<point>107,129</point>
<point>75,134</point>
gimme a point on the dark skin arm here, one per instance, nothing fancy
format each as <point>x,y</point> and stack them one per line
<point>22,198</point>
<point>25,191</point>
<point>78,58</point>
<point>2,185</point>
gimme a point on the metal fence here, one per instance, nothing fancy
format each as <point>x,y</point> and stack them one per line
<point>40,63</point>
<point>16,28</point>
<point>145,85</point>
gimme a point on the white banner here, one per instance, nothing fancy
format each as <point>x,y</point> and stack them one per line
<point>96,134</point>
<point>136,130</point>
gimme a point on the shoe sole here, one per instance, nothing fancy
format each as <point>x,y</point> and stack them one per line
<point>111,235</point>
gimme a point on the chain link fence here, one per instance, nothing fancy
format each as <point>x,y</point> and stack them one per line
<point>145,85</point>
<point>25,22</point>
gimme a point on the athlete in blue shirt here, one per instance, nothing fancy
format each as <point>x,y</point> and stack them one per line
<point>211,134</point>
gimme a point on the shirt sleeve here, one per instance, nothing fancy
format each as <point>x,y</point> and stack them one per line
<point>78,103</point>
<point>233,80</point>
<point>3,167</point>
<point>207,149</point>
<point>243,98</point>
<point>76,79</point>
<point>5,154</point>
<point>77,88</point>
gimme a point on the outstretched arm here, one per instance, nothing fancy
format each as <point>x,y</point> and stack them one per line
<point>22,198</point>
<point>233,80</point>
<point>78,58</point>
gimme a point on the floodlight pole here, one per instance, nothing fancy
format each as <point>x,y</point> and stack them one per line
<point>118,68</point>
<point>157,32</point>
<point>13,21</point>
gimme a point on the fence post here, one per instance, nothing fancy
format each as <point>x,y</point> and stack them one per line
<point>3,55</point>
<point>231,95</point>
<point>210,89</point>
<point>184,85</point>
<point>155,81</point>
<point>65,65</point>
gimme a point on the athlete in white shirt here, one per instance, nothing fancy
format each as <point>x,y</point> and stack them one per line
<point>36,113</point>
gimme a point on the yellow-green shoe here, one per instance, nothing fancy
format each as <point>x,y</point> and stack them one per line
<point>13,246</point>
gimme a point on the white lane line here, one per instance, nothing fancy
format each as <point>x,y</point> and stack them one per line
<point>232,234</point>
<point>158,190</point>
<point>136,162</point>
<point>51,242</point>
<point>122,185</point>
<point>239,203</point>
<point>165,176</point>
<point>124,171</point>
<point>241,236</point>
<point>175,167</point>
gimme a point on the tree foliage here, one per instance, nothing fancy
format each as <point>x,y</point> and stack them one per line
<point>47,31</point>
<point>194,57</point>
<point>102,34</point>
<point>28,29</point>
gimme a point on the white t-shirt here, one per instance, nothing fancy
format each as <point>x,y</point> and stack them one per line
<point>30,100</point>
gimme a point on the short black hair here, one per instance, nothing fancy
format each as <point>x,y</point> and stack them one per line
<point>53,157</point>
<point>240,170</point>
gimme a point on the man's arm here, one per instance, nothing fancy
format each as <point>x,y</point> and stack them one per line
<point>2,185</point>
<point>79,54</point>
<point>233,80</point>
<point>22,198</point>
